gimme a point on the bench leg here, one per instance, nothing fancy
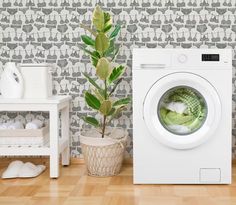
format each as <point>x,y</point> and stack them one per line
<point>54,143</point>
<point>65,135</point>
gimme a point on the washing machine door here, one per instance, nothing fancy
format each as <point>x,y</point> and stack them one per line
<point>182,110</point>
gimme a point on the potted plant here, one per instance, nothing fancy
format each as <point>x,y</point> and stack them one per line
<point>103,147</point>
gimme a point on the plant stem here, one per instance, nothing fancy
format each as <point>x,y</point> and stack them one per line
<point>104,126</point>
<point>104,117</point>
<point>105,89</point>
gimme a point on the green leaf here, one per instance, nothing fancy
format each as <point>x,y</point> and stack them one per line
<point>122,102</point>
<point>88,52</point>
<point>98,18</point>
<point>103,68</point>
<point>115,32</point>
<point>95,59</point>
<point>116,73</point>
<point>88,40</point>
<point>107,28</point>
<point>99,94</point>
<point>108,22</point>
<point>96,54</point>
<point>112,111</point>
<point>91,121</point>
<point>101,43</point>
<point>92,101</point>
<point>117,112</point>
<point>94,33</point>
<point>107,18</point>
<point>117,48</point>
<point>93,54</point>
<point>105,107</point>
<point>111,48</point>
<point>115,86</point>
<point>91,81</point>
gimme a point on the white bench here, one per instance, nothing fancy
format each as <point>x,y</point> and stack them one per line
<point>54,105</point>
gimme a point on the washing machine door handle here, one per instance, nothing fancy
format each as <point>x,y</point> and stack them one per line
<point>153,99</point>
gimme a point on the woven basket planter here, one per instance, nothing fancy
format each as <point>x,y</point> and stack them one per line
<point>103,156</point>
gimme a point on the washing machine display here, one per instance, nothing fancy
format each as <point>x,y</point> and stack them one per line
<point>182,110</point>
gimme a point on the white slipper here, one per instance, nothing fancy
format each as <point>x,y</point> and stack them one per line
<point>19,169</point>
<point>12,170</point>
<point>30,170</point>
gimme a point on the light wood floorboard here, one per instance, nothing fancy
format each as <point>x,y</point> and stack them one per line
<point>74,187</point>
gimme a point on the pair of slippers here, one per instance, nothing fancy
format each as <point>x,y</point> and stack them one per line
<point>22,170</point>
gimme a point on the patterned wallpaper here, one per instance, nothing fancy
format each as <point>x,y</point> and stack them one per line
<point>48,31</point>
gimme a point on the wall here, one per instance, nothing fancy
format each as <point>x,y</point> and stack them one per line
<point>48,31</point>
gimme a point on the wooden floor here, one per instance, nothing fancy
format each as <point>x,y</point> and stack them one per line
<point>74,187</point>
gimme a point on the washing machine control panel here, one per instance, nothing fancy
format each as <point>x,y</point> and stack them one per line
<point>199,60</point>
<point>175,59</point>
<point>183,58</point>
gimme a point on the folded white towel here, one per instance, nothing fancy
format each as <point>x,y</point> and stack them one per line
<point>178,107</point>
<point>5,125</point>
<point>16,125</point>
<point>35,124</point>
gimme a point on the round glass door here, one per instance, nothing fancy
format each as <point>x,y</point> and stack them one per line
<point>182,110</point>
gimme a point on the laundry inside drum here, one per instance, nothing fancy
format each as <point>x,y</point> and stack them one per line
<point>182,110</point>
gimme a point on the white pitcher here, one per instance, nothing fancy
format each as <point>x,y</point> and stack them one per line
<point>11,82</point>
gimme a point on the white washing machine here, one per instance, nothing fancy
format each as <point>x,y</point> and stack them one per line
<point>182,116</point>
